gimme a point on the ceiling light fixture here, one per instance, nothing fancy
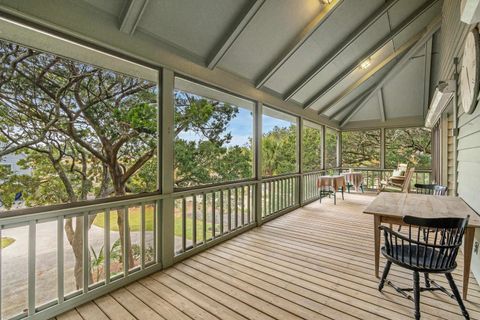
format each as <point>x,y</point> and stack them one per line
<point>365,64</point>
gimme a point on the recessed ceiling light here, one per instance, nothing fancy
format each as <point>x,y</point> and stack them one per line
<point>365,64</point>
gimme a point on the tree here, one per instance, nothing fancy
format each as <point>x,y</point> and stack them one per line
<point>206,156</point>
<point>361,148</point>
<point>95,128</point>
<point>330,148</point>
<point>279,151</point>
<point>312,149</point>
<point>411,146</point>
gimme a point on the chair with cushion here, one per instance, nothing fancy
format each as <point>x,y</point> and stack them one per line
<point>431,247</point>
<point>404,187</point>
<point>398,175</point>
<point>433,189</point>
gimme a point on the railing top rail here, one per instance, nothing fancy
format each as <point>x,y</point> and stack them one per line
<point>314,172</point>
<point>385,169</point>
<point>47,212</point>
<point>210,188</point>
<point>281,176</point>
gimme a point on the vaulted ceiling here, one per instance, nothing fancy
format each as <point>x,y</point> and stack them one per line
<point>358,63</point>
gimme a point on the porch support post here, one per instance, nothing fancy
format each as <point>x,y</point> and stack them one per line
<point>339,150</point>
<point>323,148</point>
<point>455,126</point>
<point>257,135</point>
<point>166,144</point>
<point>382,148</point>
<point>300,159</point>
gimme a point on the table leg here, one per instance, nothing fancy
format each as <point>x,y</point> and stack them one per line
<point>467,253</point>
<point>376,224</point>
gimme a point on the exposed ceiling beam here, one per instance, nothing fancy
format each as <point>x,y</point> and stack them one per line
<point>430,30</point>
<point>131,15</point>
<point>299,40</point>
<point>243,20</point>
<point>359,99</point>
<point>378,46</point>
<point>340,48</point>
<point>381,104</point>
<point>428,74</point>
<point>371,73</point>
<point>404,122</point>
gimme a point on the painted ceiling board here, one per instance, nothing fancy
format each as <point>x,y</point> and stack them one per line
<point>355,51</point>
<point>329,35</point>
<point>268,33</point>
<point>344,113</point>
<point>403,94</point>
<point>355,95</point>
<point>355,76</point>
<point>195,26</point>
<point>370,111</point>
<point>402,9</point>
<point>113,7</point>
<point>416,26</point>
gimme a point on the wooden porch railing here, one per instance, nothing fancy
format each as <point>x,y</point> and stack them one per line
<point>202,218</point>
<point>373,176</point>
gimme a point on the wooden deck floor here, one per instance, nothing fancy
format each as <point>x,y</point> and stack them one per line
<point>313,263</point>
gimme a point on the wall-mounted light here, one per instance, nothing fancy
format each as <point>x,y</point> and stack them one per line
<point>442,96</point>
<point>326,1</point>
<point>365,64</point>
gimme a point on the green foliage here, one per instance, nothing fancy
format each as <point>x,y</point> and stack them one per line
<point>411,146</point>
<point>312,149</point>
<point>330,148</point>
<point>208,158</point>
<point>85,132</point>
<point>279,151</point>
<point>361,148</point>
<point>96,263</point>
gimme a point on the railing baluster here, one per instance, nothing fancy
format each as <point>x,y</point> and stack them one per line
<point>243,205</point>
<point>236,208</point>
<point>32,235</point>
<point>86,262</point>
<point>270,198</point>
<point>184,224</point>
<point>279,195</point>
<point>204,217</point>
<point>106,250</point>
<point>229,211</point>
<point>1,282</point>
<point>194,221</point>
<point>142,235</point>
<point>214,215</point>
<point>126,245</point>
<point>249,217</point>
<point>264,196</point>
<point>60,259</point>
<point>222,212</point>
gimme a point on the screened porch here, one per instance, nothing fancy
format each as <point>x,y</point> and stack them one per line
<point>220,159</point>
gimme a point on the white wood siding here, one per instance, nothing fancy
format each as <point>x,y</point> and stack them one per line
<point>468,141</point>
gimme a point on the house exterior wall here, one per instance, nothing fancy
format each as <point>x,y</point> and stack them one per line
<point>467,142</point>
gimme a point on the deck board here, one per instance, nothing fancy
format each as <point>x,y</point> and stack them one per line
<point>313,263</point>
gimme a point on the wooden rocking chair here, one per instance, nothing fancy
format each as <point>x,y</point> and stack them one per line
<point>404,187</point>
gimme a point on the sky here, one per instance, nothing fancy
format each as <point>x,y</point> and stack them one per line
<point>241,127</point>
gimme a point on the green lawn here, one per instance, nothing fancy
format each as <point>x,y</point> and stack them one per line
<point>6,241</point>
<point>134,221</point>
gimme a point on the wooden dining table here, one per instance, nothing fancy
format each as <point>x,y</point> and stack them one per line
<point>392,207</point>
